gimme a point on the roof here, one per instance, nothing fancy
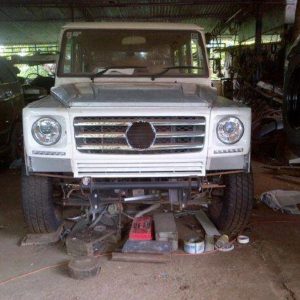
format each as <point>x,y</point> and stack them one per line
<point>132,25</point>
<point>36,21</point>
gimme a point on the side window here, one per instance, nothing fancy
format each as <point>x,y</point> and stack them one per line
<point>195,54</point>
<point>176,58</point>
<point>73,54</point>
<point>67,57</point>
<point>6,75</point>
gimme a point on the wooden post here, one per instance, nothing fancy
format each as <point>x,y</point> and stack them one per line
<point>296,27</point>
<point>258,40</point>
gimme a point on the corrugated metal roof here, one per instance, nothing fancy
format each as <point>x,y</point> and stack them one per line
<point>25,21</point>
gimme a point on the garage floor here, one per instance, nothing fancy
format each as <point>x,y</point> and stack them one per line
<point>268,268</point>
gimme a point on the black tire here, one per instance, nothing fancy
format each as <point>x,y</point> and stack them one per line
<point>231,211</point>
<point>291,102</point>
<point>39,211</point>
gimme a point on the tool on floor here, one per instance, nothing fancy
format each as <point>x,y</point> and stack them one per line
<point>141,229</point>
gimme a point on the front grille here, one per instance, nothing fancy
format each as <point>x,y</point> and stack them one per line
<point>109,135</point>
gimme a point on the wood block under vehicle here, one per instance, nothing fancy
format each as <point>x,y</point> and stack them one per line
<point>148,247</point>
<point>87,241</point>
<point>34,239</point>
<point>165,229</point>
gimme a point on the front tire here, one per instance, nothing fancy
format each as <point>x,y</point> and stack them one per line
<point>38,207</point>
<point>231,211</point>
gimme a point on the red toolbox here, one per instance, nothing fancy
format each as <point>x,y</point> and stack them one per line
<point>141,229</point>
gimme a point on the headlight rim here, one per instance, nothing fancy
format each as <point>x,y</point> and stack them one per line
<point>58,137</point>
<point>242,133</point>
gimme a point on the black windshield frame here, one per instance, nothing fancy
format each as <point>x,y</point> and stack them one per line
<point>61,73</point>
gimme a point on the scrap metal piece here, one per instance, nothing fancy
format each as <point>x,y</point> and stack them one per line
<point>294,161</point>
<point>142,198</point>
<point>147,210</point>
<point>34,239</point>
<point>84,267</point>
<point>285,201</point>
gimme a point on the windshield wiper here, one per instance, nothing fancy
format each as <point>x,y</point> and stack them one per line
<point>105,69</point>
<point>165,70</point>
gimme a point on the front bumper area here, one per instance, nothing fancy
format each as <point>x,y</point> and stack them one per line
<point>137,169</point>
<point>121,167</point>
<point>48,164</point>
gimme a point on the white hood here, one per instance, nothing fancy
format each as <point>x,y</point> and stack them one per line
<point>137,94</point>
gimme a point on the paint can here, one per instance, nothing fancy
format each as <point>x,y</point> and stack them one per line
<point>194,246</point>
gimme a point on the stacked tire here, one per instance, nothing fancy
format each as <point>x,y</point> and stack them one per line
<point>291,102</point>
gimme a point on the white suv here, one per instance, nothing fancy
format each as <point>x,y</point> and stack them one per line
<point>133,109</point>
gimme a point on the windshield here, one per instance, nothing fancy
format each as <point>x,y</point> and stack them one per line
<point>112,52</point>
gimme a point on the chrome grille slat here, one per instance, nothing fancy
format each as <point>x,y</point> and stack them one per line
<point>126,148</point>
<point>87,135</point>
<point>107,135</point>
<point>167,134</point>
<point>126,122</point>
<point>170,134</point>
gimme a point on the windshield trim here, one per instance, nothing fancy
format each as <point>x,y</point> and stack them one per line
<point>61,74</point>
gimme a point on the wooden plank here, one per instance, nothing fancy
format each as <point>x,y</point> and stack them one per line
<point>207,224</point>
<point>34,239</point>
<point>141,257</point>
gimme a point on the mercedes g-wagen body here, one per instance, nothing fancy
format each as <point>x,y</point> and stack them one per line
<point>133,117</point>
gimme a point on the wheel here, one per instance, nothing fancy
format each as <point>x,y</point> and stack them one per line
<point>291,103</point>
<point>39,211</point>
<point>230,210</point>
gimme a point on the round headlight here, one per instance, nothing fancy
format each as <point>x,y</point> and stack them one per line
<point>46,131</point>
<point>230,130</point>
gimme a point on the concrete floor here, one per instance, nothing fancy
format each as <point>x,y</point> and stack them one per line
<point>268,268</point>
